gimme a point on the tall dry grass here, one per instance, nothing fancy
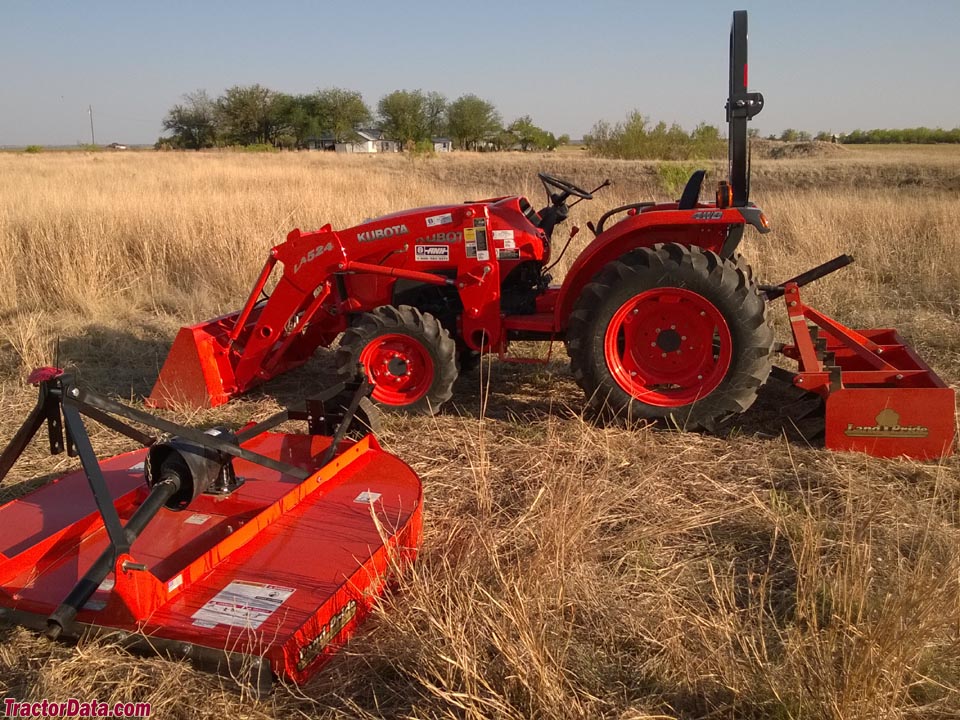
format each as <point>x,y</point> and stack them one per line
<point>568,570</point>
<point>90,233</point>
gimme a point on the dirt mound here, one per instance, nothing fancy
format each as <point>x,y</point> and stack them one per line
<point>777,149</point>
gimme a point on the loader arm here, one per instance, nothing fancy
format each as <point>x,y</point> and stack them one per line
<point>213,361</point>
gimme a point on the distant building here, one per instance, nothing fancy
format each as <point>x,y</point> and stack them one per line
<point>442,144</point>
<point>368,140</point>
<point>324,141</point>
<point>365,140</point>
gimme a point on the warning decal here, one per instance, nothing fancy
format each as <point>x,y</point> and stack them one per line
<point>367,497</point>
<point>483,254</point>
<point>444,219</point>
<point>242,604</point>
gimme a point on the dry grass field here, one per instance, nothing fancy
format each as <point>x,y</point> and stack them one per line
<point>568,570</point>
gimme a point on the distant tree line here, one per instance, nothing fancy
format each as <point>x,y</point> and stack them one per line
<point>253,115</point>
<point>918,136</point>
<point>636,138</point>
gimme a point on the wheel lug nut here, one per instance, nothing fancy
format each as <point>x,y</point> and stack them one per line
<point>673,327</point>
<point>663,354</point>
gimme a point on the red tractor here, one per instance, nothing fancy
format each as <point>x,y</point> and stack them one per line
<point>660,315</point>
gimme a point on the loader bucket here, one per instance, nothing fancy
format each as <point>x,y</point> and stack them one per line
<point>197,372</point>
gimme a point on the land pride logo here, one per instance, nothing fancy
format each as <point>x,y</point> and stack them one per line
<point>888,425</point>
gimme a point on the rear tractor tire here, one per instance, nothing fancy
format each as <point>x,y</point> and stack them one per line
<point>408,357</point>
<point>671,332</point>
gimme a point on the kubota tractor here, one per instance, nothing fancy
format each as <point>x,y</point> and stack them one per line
<point>660,315</point>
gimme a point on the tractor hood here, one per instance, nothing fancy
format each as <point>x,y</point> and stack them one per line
<point>446,223</point>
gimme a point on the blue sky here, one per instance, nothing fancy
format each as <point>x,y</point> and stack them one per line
<point>821,65</point>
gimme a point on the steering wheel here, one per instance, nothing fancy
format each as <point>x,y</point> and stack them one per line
<point>567,187</point>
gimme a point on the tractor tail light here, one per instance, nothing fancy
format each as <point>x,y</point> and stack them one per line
<point>724,194</point>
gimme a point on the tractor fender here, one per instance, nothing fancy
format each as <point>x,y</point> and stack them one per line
<point>707,228</point>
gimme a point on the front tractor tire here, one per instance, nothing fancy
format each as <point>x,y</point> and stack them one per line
<point>408,357</point>
<point>671,332</point>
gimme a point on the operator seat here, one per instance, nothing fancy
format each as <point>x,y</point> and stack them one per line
<point>691,193</point>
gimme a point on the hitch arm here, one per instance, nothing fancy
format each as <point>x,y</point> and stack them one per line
<point>772,292</point>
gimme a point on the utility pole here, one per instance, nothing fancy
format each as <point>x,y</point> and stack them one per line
<point>93,139</point>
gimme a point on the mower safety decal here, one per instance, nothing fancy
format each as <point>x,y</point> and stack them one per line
<point>242,604</point>
<point>444,219</point>
<point>367,497</point>
<point>99,603</point>
<point>432,253</point>
<point>471,249</point>
<point>508,254</point>
<point>503,235</point>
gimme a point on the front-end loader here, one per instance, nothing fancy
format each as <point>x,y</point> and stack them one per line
<point>660,315</point>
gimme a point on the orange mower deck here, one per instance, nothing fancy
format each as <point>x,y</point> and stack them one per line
<point>267,580</point>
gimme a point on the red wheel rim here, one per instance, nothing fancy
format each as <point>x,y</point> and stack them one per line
<point>668,347</point>
<point>399,367</point>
